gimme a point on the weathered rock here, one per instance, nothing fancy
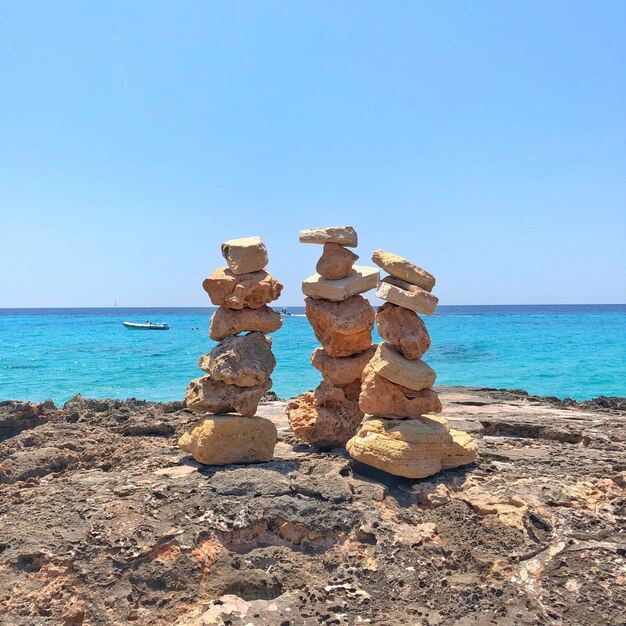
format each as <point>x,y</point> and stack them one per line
<point>419,300</point>
<point>403,269</point>
<point>251,291</point>
<point>226,321</point>
<point>411,448</point>
<point>219,440</point>
<point>403,329</point>
<point>383,398</point>
<point>245,255</point>
<point>402,284</point>
<point>343,235</point>
<point>326,417</point>
<point>390,364</point>
<point>244,360</point>
<point>336,262</point>
<point>359,280</point>
<point>205,395</point>
<point>343,328</point>
<point>341,370</point>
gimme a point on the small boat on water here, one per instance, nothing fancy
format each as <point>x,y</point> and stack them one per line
<point>146,326</point>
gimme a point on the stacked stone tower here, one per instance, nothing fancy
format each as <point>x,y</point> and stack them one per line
<point>400,435</point>
<point>238,369</point>
<point>342,321</point>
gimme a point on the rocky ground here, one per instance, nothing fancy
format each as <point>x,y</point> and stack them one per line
<point>103,521</point>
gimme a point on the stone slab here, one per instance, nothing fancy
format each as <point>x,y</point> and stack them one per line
<point>360,279</point>
<point>343,235</point>
<point>405,270</point>
<point>419,301</point>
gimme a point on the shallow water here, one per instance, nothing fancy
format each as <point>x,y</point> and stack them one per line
<point>565,351</point>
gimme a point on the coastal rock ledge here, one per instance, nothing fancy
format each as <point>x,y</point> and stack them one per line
<point>103,520</point>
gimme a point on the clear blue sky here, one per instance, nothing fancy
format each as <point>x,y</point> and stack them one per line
<point>483,140</point>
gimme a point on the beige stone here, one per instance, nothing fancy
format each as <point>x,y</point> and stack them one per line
<point>220,440</point>
<point>241,290</point>
<point>336,262</point>
<point>390,364</point>
<point>413,448</point>
<point>359,280</point>
<point>205,395</point>
<point>403,269</point>
<point>343,235</point>
<point>226,321</point>
<point>245,255</point>
<point>343,328</point>
<point>244,360</point>
<point>341,370</point>
<point>326,417</point>
<point>402,284</point>
<point>383,398</point>
<point>420,301</point>
<point>403,329</point>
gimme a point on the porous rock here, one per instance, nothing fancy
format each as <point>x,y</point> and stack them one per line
<point>244,360</point>
<point>417,300</point>
<point>226,321</point>
<point>343,328</point>
<point>206,395</point>
<point>413,448</point>
<point>405,270</point>
<point>341,370</point>
<point>404,329</point>
<point>390,364</point>
<point>343,235</point>
<point>237,291</point>
<point>219,440</point>
<point>359,280</point>
<point>245,255</point>
<point>336,261</point>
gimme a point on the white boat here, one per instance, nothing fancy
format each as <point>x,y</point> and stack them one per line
<point>146,326</point>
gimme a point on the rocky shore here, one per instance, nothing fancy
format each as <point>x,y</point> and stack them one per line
<point>103,521</point>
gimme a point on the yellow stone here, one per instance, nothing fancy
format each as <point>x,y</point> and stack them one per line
<point>390,364</point>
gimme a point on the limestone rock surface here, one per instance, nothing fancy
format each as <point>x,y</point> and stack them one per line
<point>383,398</point>
<point>411,448</point>
<point>220,440</point>
<point>245,255</point>
<point>343,235</point>
<point>405,270</point>
<point>403,329</point>
<point>336,262</point>
<point>343,328</point>
<point>418,300</point>
<point>244,360</point>
<point>226,321</point>
<point>205,395</point>
<point>237,291</point>
<point>341,370</point>
<point>359,280</point>
<point>390,364</point>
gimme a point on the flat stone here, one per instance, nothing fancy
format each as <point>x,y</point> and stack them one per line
<point>205,395</point>
<point>403,329</point>
<point>245,255</point>
<point>341,370</point>
<point>413,448</point>
<point>405,270</point>
<point>226,321</point>
<point>244,360</point>
<point>390,364</point>
<point>359,280</point>
<point>237,291</point>
<point>420,301</point>
<point>383,398</point>
<point>336,262</point>
<point>220,440</point>
<point>343,235</point>
<point>343,328</point>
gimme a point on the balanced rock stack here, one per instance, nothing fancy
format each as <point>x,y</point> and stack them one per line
<point>238,369</point>
<point>342,321</point>
<point>399,435</point>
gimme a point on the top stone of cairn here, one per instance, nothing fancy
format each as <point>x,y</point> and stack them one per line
<point>403,269</point>
<point>343,235</point>
<point>245,255</point>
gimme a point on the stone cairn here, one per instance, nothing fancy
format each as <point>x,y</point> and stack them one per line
<point>399,434</point>
<point>238,369</point>
<point>342,321</point>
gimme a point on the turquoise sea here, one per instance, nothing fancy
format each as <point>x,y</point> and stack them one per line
<point>565,351</point>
